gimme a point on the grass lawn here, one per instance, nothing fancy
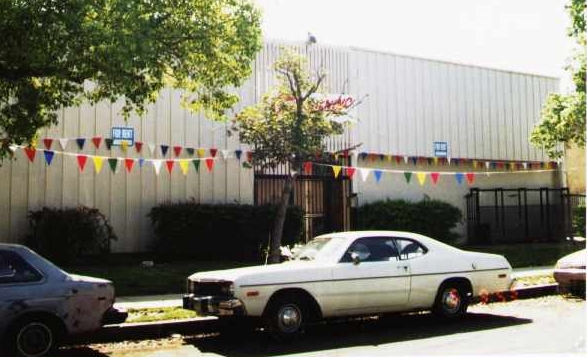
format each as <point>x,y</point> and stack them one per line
<point>529,254</point>
<point>165,278</point>
<point>159,314</point>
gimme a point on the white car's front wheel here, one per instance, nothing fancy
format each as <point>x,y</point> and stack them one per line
<point>286,317</point>
<point>33,337</point>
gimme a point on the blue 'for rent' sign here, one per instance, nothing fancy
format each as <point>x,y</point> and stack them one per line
<point>120,134</point>
<point>440,148</point>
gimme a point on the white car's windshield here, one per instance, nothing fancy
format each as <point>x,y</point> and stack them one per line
<point>318,249</point>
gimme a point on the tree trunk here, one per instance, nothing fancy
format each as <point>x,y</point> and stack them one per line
<point>274,251</point>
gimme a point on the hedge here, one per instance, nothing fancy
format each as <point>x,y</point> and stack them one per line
<point>219,232</point>
<point>430,217</point>
<point>579,221</point>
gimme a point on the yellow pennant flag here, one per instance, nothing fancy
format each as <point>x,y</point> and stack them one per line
<point>421,177</point>
<point>474,164</point>
<point>184,165</point>
<point>435,160</point>
<point>201,152</point>
<point>124,145</point>
<point>336,170</point>
<point>98,161</point>
<point>512,165</point>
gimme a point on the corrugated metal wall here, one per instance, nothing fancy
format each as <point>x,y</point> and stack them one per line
<point>410,103</point>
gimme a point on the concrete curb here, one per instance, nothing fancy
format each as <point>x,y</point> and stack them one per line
<point>150,330</point>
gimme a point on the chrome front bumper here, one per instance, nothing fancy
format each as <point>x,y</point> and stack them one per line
<point>213,305</point>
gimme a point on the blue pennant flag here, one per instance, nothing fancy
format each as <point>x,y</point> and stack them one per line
<point>164,149</point>
<point>238,154</point>
<point>141,162</point>
<point>414,160</point>
<point>377,174</point>
<point>49,156</point>
<point>459,177</point>
<point>363,156</point>
<point>80,143</point>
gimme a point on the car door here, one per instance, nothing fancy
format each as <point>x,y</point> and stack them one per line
<point>379,281</point>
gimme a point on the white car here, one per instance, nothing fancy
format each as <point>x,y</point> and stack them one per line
<point>351,273</point>
<point>40,304</point>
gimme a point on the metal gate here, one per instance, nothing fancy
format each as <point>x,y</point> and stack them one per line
<point>518,215</point>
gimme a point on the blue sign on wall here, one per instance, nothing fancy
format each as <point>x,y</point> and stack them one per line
<point>120,134</point>
<point>440,148</point>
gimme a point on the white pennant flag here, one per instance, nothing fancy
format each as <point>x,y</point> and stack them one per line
<point>448,159</point>
<point>13,147</point>
<point>63,143</point>
<point>152,149</point>
<point>525,164</point>
<point>364,173</point>
<point>157,166</point>
<point>405,161</point>
<point>224,154</point>
<point>487,164</point>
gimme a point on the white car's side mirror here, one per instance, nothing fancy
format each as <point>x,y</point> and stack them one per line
<point>356,258</point>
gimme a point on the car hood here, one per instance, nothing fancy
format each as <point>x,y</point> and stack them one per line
<point>575,259</point>
<point>291,270</point>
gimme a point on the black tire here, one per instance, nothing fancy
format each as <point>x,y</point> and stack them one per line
<point>33,337</point>
<point>286,318</point>
<point>451,301</point>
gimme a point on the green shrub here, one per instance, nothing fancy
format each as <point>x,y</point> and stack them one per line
<point>430,217</point>
<point>579,221</point>
<point>219,232</point>
<point>65,236</point>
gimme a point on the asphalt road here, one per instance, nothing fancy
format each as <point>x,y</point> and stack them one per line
<point>549,325</point>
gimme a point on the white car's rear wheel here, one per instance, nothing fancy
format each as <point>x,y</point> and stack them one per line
<point>451,301</point>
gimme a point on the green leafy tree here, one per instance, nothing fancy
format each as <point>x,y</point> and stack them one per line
<point>563,116</point>
<point>57,53</point>
<point>288,126</point>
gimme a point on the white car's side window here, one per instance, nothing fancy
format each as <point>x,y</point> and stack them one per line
<point>14,269</point>
<point>372,249</point>
<point>409,249</point>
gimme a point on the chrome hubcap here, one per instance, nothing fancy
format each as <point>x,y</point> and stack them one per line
<point>451,300</point>
<point>34,339</point>
<point>289,318</point>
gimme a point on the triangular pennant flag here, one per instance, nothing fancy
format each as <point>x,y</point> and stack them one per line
<point>238,154</point>
<point>184,165</point>
<point>430,160</point>
<point>141,162</point>
<point>435,160</point>
<point>129,163</point>
<point>124,145</point>
<point>196,165</point>
<point>414,160</point>
<point>48,143</point>
<point>164,149</point>
<point>487,165</point>
<point>459,177</point>
<point>98,162</point>
<point>249,156</point>
<point>169,165</point>
<point>177,150</point>
<point>398,159</point>
<point>474,164</point>
<point>525,164</point>
<point>421,177</point>
<point>363,156</point>
<point>406,160</point>
<point>152,148</point>
<point>364,173</point>
<point>13,148</point>
<point>434,176</point>
<point>30,153</point>
<point>157,166</point>
<point>108,142</point>
<point>80,143</point>
<point>209,164</point>
<point>307,168</point>
<point>382,157</point>
<point>96,140</point>
<point>63,142</point>
<point>213,152</point>
<point>377,174</point>
<point>470,177</point>
<point>408,176</point>
<point>113,162</point>
<point>49,156</point>
<point>512,165</point>
<point>190,151</point>
<point>373,156</point>
<point>336,170</point>
<point>350,172</point>
<point>81,161</point>
<point>138,146</point>
<point>448,160</point>
<point>224,154</point>
<point>457,161</point>
<point>201,152</point>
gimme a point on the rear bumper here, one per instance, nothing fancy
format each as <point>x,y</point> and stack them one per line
<point>114,316</point>
<point>213,305</point>
<point>570,279</point>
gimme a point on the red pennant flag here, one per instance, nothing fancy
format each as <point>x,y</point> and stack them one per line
<point>129,163</point>
<point>307,168</point>
<point>470,177</point>
<point>213,152</point>
<point>249,156</point>
<point>48,143</point>
<point>96,140</point>
<point>398,159</point>
<point>30,153</point>
<point>169,164</point>
<point>434,176</point>
<point>345,153</point>
<point>209,164</point>
<point>350,171</point>
<point>81,161</point>
<point>177,150</point>
<point>139,146</point>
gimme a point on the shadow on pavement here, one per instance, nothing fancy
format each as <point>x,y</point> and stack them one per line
<point>78,351</point>
<point>363,332</point>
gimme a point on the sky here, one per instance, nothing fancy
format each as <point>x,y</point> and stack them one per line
<point>517,35</point>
